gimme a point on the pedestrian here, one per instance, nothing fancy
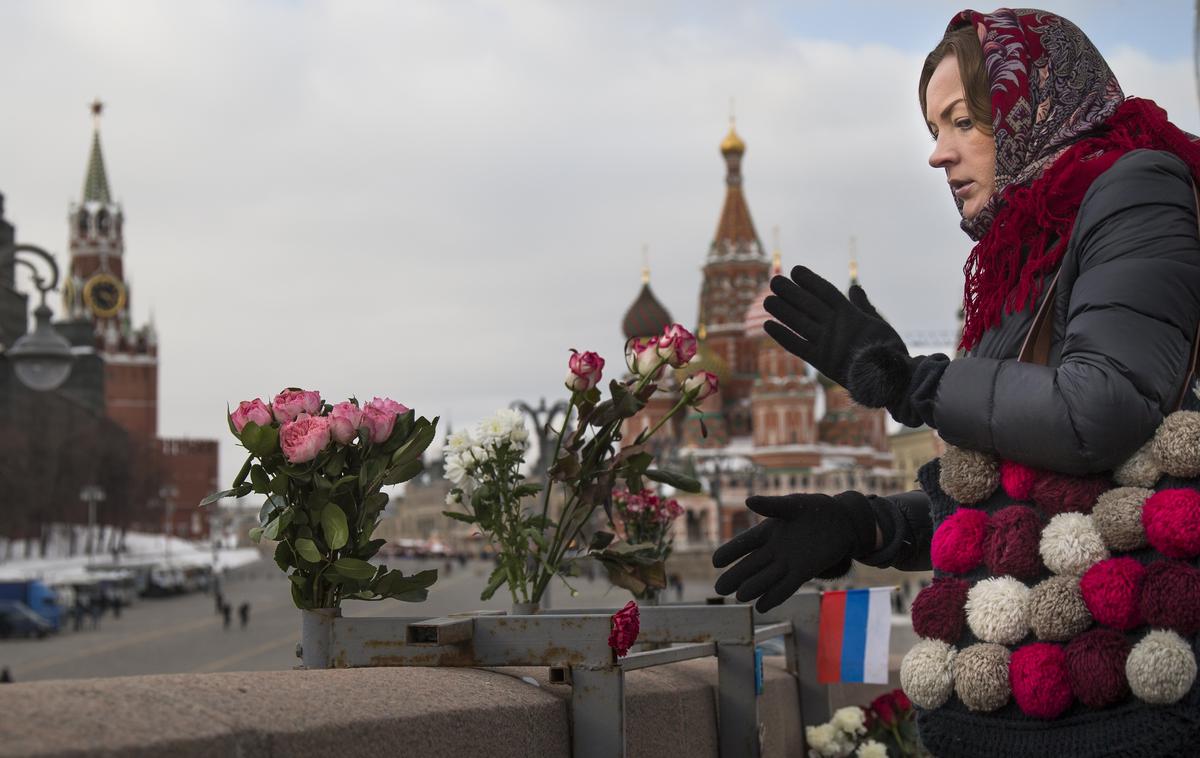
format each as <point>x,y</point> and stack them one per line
<point>244,614</point>
<point>5,676</point>
<point>677,583</point>
<point>95,611</point>
<point>1080,200</point>
<point>116,606</point>
<point>220,600</point>
<point>227,613</point>
<point>77,614</point>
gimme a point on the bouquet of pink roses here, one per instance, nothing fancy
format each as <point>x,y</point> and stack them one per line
<point>321,468</point>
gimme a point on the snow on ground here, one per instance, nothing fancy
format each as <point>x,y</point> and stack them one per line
<point>141,549</point>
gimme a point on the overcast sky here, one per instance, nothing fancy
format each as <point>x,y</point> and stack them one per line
<point>434,201</point>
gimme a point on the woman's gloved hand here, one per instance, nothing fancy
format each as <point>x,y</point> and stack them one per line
<point>803,536</point>
<point>824,328</point>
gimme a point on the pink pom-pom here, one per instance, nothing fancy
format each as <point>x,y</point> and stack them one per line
<point>1040,682</point>
<point>937,611</point>
<point>1112,592</point>
<point>1017,479</point>
<point>957,545</point>
<point>1171,597</point>
<point>1172,522</point>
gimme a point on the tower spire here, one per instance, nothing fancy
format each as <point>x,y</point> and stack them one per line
<point>645,264</point>
<point>853,260</point>
<point>95,183</point>
<point>777,254</point>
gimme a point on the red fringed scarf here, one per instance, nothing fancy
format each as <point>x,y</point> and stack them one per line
<point>1052,141</point>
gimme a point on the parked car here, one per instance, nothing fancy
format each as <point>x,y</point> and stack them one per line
<point>19,620</point>
<point>34,595</point>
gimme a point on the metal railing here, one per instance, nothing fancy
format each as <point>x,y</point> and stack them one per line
<point>574,645</point>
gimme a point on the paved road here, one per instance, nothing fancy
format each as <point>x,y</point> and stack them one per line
<point>184,634</point>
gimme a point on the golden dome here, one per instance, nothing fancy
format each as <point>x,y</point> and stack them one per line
<point>732,142</point>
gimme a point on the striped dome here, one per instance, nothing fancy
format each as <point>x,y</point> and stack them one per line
<point>646,317</point>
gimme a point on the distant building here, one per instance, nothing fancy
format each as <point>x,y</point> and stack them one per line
<point>120,359</point>
<point>776,426</point>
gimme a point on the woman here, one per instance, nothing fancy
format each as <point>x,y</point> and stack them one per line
<point>1079,199</point>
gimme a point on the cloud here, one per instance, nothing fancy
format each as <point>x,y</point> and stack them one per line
<point>436,201</point>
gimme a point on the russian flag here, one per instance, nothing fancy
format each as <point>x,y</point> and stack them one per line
<point>854,634</point>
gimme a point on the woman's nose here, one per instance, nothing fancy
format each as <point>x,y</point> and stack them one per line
<point>943,154</point>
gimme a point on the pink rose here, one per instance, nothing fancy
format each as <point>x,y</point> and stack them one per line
<point>703,384</point>
<point>642,357</point>
<point>379,416</point>
<point>584,371</point>
<point>677,345</point>
<point>626,624</point>
<point>251,410</point>
<point>344,420</point>
<point>292,402</point>
<point>303,439</point>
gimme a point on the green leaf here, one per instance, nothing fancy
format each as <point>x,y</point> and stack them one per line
<point>466,518</point>
<point>367,551</point>
<point>371,475</point>
<point>283,556</point>
<point>243,489</point>
<point>244,471</point>
<point>250,434</point>
<point>279,484</point>
<point>375,503</point>
<point>258,476</point>
<point>601,540</point>
<point>256,534</point>
<point>498,578</point>
<point>336,462</point>
<point>214,497</point>
<point>403,472</point>
<point>299,598</point>
<point>395,584</point>
<point>307,549</point>
<point>278,524</point>
<point>353,568</point>
<point>422,435</point>
<point>638,463</point>
<point>333,526</point>
<point>678,481</point>
<point>345,483</point>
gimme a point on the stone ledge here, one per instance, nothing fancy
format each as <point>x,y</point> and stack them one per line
<point>434,712</point>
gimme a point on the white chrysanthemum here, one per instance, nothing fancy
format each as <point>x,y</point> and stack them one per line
<point>827,741</point>
<point>473,456</point>
<point>871,749</point>
<point>455,471</point>
<point>851,720</point>
<point>453,498</point>
<point>459,441</point>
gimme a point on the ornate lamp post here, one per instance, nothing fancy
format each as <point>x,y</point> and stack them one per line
<point>541,418</point>
<point>41,359</point>
<point>91,494</point>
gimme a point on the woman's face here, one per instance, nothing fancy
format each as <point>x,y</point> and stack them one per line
<point>966,152</point>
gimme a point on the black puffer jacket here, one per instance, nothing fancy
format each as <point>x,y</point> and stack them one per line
<point>1126,308</point>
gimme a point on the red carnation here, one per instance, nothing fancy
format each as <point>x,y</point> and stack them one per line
<point>884,708</point>
<point>625,627</point>
<point>903,704</point>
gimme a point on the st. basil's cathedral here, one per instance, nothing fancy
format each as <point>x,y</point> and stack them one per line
<point>776,426</point>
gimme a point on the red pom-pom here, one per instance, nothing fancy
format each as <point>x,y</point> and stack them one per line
<point>1017,479</point>
<point>1112,591</point>
<point>1010,543</point>
<point>937,611</point>
<point>1061,493</point>
<point>1171,597</point>
<point>1040,685</point>
<point>957,545</point>
<point>1172,521</point>
<point>1096,667</point>
<point>626,623</point>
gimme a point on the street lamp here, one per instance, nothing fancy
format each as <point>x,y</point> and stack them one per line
<point>91,495</point>
<point>41,359</point>
<point>168,493</point>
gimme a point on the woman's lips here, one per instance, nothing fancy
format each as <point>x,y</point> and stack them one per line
<point>963,190</point>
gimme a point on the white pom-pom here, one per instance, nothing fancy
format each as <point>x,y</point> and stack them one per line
<point>926,673</point>
<point>1161,668</point>
<point>1071,544</point>
<point>998,610</point>
<point>1176,444</point>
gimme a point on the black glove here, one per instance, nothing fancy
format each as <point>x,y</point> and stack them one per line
<point>804,536</point>
<point>819,325</point>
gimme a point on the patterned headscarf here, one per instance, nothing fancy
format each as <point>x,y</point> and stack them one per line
<point>1060,120</point>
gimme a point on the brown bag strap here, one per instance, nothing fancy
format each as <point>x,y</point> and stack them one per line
<point>1036,347</point>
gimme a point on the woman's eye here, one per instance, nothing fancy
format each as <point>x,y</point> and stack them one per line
<point>933,136</point>
<point>963,123</point>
